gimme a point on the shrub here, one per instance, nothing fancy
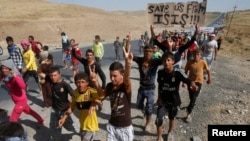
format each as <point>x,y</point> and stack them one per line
<point>229,39</point>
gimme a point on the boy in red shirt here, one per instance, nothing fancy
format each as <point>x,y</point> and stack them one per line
<point>75,61</point>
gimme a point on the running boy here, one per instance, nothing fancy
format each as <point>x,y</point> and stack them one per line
<point>119,91</point>
<point>84,99</point>
<point>195,69</point>
<point>168,93</point>
<point>60,103</point>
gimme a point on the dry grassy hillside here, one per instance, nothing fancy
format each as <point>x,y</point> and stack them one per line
<point>237,37</point>
<point>47,20</point>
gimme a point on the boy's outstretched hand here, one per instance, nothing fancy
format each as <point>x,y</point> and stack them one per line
<point>92,74</point>
<point>127,54</point>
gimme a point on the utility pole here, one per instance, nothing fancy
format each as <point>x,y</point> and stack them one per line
<point>231,20</point>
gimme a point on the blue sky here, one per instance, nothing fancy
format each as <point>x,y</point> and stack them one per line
<point>131,5</point>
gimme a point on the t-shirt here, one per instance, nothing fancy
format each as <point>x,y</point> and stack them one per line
<point>98,50</point>
<point>196,70</point>
<point>83,102</point>
<point>147,75</point>
<point>117,44</point>
<point>78,53</point>
<point>60,93</point>
<point>209,47</point>
<point>35,48</point>
<point>120,102</point>
<point>156,55</point>
<point>169,86</point>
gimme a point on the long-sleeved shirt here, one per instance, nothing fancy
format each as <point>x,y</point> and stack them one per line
<point>98,69</point>
<point>16,55</point>
<point>29,60</point>
<point>98,50</point>
<point>17,89</point>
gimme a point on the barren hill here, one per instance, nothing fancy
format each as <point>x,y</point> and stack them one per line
<point>47,20</point>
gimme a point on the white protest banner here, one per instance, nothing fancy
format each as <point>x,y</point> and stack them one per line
<point>170,14</point>
<point>207,29</point>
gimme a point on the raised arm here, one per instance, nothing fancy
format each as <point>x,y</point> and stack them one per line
<point>128,61</point>
<point>152,31</point>
<point>189,43</point>
<point>74,54</point>
<point>94,78</point>
<point>102,75</point>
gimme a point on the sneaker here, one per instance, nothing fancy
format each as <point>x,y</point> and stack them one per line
<point>189,119</point>
<point>71,67</point>
<point>170,137</point>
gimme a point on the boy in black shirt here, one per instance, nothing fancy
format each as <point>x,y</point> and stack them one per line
<point>60,103</point>
<point>168,93</point>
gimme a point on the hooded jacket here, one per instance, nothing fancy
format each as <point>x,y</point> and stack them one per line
<point>15,84</point>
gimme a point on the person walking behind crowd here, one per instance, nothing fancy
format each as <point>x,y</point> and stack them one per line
<point>60,104</point>
<point>68,57</point>
<point>169,100</point>
<point>45,54</point>
<point>191,49</point>
<point>147,67</point>
<point>120,126</point>
<point>156,53</point>
<point>34,46</point>
<point>30,68</point>
<point>15,53</point>
<point>43,73</point>
<point>16,86</point>
<point>168,46</point>
<point>141,43</point>
<point>194,69</point>
<point>89,62</point>
<point>84,99</point>
<point>209,48</point>
<point>65,45</point>
<point>75,61</point>
<point>98,49</point>
<point>219,41</point>
<point>117,47</point>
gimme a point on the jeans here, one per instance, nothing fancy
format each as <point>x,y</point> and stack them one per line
<point>147,94</point>
<point>56,132</point>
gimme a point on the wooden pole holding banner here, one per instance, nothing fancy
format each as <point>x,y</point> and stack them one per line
<point>231,20</point>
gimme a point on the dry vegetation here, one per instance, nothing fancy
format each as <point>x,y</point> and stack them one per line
<point>237,37</point>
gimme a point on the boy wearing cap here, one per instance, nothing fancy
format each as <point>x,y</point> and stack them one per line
<point>16,86</point>
<point>29,59</point>
<point>15,53</point>
<point>209,48</point>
